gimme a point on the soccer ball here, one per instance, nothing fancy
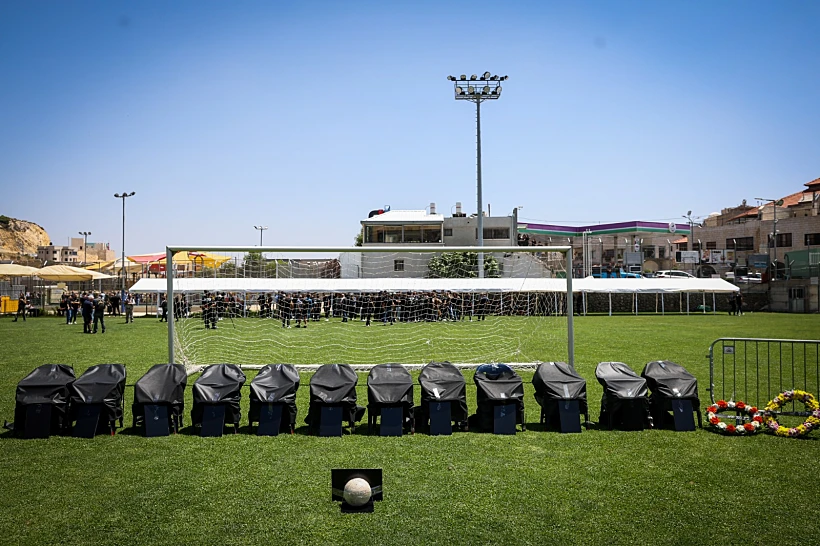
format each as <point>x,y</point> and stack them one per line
<point>357,492</point>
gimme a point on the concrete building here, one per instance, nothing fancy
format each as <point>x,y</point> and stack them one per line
<point>55,254</point>
<point>428,228</point>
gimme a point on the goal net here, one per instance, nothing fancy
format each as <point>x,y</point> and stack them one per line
<point>366,305</point>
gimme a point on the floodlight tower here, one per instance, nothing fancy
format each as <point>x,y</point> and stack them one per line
<point>261,229</point>
<point>85,235</point>
<point>124,195</point>
<point>478,89</point>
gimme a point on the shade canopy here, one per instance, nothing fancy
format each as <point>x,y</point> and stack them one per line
<point>68,273</point>
<point>16,270</point>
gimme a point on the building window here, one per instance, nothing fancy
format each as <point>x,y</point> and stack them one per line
<point>398,265</point>
<point>783,240</point>
<point>661,252</point>
<point>695,246</point>
<point>711,245</point>
<point>496,233</point>
<point>649,252</point>
<point>812,239</point>
<point>448,232</point>
<point>743,243</point>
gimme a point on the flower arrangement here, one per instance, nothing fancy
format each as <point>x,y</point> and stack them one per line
<point>753,426</point>
<point>812,421</point>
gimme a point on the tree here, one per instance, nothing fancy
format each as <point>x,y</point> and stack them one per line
<point>358,239</point>
<point>459,265</point>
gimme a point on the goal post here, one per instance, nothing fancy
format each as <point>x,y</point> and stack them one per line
<point>241,304</point>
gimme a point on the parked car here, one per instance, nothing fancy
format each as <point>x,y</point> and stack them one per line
<point>616,274</point>
<point>674,274</point>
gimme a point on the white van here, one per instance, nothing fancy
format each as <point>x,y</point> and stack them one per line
<point>673,275</point>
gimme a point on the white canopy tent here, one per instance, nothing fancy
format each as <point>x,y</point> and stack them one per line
<point>583,286</point>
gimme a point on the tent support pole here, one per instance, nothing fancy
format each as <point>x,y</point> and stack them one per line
<point>663,310</point>
<point>610,304</point>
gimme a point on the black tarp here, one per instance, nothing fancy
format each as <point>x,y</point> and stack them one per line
<point>218,384</point>
<point>162,385</point>
<point>669,381</point>
<point>554,382</point>
<point>497,384</point>
<point>46,384</point>
<point>334,385</point>
<point>443,382</point>
<point>624,403</point>
<point>102,384</point>
<point>390,385</point>
<point>275,384</point>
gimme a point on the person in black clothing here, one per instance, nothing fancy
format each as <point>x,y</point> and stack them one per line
<point>115,300</point>
<point>22,303</point>
<point>483,302</point>
<point>99,313</point>
<point>164,306</point>
<point>739,303</point>
<point>88,312</point>
<point>208,311</point>
<point>367,309</point>
<point>285,309</point>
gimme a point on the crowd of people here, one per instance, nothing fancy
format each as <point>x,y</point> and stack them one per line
<point>299,309</point>
<point>93,306</point>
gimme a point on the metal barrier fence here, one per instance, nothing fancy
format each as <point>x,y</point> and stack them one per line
<point>755,370</point>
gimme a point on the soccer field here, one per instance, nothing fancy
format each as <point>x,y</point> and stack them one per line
<point>597,487</point>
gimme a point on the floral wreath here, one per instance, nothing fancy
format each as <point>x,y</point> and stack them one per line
<point>812,421</point>
<point>716,425</point>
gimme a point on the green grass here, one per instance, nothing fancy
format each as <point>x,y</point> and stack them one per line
<point>598,487</point>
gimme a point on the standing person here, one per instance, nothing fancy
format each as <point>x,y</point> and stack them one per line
<point>129,308</point>
<point>164,306</point>
<point>739,303</point>
<point>177,307</point>
<point>209,310</point>
<point>285,305</point>
<point>367,309</point>
<point>88,312</point>
<point>22,303</point>
<point>99,313</point>
<point>732,304</point>
<point>483,302</point>
<point>65,307</point>
<point>74,304</point>
<point>114,298</point>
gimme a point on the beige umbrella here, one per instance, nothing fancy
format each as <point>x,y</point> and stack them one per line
<point>68,273</point>
<point>16,270</point>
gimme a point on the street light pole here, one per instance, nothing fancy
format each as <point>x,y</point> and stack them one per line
<point>261,229</point>
<point>688,216</point>
<point>85,235</point>
<point>124,195</point>
<point>477,90</point>
<point>775,203</point>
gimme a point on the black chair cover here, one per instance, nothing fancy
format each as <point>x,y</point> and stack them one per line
<point>219,384</point>
<point>669,381</point>
<point>162,385</point>
<point>334,385</point>
<point>624,403</point>
<point>555,382</point>
<point>497,384</point>
<point>390,385</point>
<point>275,384</point>
<point>46,384</point>
<point>102,384</point>
<point>443,382</point>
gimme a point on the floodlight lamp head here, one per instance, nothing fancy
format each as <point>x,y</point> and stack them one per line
<point>459,91</point>
<point>463,77</point>
<point>486,76</point>
<point>450,78</point>
<point>485,90</point>
<point>473,77</point>
<point>471,90</point>
<point>498,90</point>
<point>689,213</point>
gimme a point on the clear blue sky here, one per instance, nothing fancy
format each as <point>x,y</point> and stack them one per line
<point>304,116</point>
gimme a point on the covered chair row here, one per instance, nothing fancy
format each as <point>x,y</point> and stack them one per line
<point>51,400</point>
<point>664,395</point>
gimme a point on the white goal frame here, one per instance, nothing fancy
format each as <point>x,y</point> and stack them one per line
<point>171,250</point>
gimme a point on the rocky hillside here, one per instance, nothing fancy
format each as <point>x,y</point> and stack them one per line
<point>19,236</point>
